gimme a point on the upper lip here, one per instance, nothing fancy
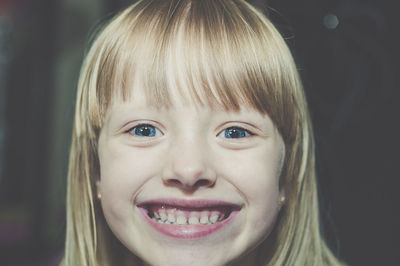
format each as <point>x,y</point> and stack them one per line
<point>193,203</point>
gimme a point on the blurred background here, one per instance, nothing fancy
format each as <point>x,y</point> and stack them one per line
<point>347,53</point>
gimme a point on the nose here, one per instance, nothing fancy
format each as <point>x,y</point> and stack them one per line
<point>189,167</point>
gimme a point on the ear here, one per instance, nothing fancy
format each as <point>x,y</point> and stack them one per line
<point>282,198</point>
<point>98,189</point>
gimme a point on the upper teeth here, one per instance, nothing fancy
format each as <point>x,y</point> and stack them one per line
<point>181,219</point>
<point>173,216</point>
<point>194,220</point>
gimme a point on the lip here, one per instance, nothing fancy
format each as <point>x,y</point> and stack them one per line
<point>189,231</point>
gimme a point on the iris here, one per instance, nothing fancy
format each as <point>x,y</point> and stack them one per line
<point>236,132</point>
<point>144,131</point>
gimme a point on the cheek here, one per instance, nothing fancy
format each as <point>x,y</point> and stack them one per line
<point>123,171</point>
<point>255,174</point>
<point>260,186</point>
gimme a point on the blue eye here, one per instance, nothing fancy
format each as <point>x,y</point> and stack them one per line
<point>145,130</point>
<point>236,133</point>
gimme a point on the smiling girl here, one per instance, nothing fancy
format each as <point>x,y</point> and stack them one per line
<point>192,143</point>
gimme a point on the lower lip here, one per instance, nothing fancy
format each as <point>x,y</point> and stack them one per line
<point>188,231</point>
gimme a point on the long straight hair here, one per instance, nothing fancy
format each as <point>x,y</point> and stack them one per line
<point>219,53</point>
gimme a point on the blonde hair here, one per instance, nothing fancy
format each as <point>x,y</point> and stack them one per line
<point>224,53</point>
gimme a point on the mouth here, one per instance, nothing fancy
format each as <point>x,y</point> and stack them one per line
<point>188,219</point>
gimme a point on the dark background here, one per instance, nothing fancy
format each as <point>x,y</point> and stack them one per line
<point>347,53</point>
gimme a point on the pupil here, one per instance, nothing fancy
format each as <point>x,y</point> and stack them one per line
<point>145,131</point>
<point>235,133</point>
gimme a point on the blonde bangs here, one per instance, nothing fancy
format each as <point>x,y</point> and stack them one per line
<point>212,53</point>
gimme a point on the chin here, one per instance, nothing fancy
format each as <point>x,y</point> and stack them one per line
<point>188,256</point>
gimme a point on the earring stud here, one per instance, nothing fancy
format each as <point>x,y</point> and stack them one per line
<point>282,201</point>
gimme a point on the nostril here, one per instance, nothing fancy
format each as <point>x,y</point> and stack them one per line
<point>203,183</point>
<point>174,182</point>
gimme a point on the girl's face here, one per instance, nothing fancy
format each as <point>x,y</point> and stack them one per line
<point>189,185</point>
